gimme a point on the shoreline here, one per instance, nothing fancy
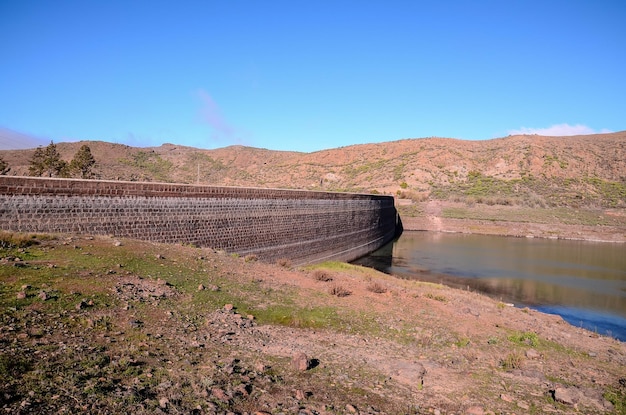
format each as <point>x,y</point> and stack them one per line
<point>436,223</point>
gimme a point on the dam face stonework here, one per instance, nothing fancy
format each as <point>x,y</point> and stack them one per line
<point>302,226</point>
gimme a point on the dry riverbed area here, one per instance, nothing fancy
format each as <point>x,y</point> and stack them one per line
<point>105,325</point>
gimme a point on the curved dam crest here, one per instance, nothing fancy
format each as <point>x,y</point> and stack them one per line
<point>303,226</point>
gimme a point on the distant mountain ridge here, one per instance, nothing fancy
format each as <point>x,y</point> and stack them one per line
<point>568,171</point>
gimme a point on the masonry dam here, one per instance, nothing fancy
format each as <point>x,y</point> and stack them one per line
<point>302,226</point>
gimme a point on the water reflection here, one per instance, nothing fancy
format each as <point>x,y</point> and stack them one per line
<point>585,282</point>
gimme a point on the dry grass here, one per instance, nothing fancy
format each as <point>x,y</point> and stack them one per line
<point>513,360</point>
<point>17,240</point>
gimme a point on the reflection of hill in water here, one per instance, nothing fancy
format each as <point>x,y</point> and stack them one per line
<point>579,280</point>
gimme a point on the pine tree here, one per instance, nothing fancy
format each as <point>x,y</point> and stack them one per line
<point>47,162</point>
<point>37,162</point>
<point>83,162</point>
<point>4,167</point>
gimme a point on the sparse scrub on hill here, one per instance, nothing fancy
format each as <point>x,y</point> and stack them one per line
<point>398,172</point>
<point>534,213</point>
<point>413,196</point>
<point>613,194</point>
<point>533,191</point>
<point>151,165</point>
<point>201,168</point>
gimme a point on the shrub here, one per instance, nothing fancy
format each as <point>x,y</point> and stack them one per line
<point>339,291</point>
<point>512,361</point>
<point>377,288</point>
<point>251,258</point>
<point>617,396</point>
<point>322,275</point>
<point>437,297</point>
<point>463,342</point>
<point>527,338</point>
<point>284,262</point>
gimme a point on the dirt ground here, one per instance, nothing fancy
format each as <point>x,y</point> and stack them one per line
<point>400,347</point>
<point>460,343</point>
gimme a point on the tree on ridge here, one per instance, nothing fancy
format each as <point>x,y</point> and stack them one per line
<point>4,167</point>
<point>48,162</point>
<point>83,162</point>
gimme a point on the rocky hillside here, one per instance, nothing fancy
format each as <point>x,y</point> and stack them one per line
<point>580,171</point>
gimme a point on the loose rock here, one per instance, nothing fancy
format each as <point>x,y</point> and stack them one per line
<point>300,362</point>
<point>475,410</point>
<point>506,398</point>
<point>567,396</point>
<point>532,354</point>
<point>351,409</point>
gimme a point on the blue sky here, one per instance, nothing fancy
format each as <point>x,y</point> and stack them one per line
<point>309,75</point>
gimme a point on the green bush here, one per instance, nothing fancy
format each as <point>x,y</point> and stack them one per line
<point>526,338</point>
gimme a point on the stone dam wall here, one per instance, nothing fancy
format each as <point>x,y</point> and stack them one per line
<point>302,226</point>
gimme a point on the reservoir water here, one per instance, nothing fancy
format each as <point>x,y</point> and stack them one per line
<point>584,282</point>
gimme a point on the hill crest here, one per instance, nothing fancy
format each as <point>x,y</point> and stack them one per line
<point>531,165</point>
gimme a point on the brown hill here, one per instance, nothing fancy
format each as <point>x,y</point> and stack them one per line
<point>585,170</point>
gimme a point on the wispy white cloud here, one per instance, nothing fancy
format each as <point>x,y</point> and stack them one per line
<point>558,130</point>
<point>211,115</point>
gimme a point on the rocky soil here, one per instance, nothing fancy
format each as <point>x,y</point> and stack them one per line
<point>100,325</point>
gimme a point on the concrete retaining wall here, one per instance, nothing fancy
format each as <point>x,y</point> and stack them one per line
<point>299,225</point>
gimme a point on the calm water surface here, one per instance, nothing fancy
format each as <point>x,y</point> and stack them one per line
<point>584,282</point>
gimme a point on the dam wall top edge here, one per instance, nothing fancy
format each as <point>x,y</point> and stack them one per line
<point>87,187</point>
